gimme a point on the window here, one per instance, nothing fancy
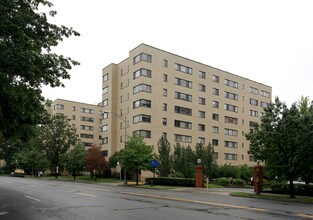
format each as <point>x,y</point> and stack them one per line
<point>87,110</point>
<point>142,72</point>
<point>183,124</point>
<point>89,136</point>
<point>105,90</point>
<point>230,95</point>
<point>182,138</point>
<point>230,132</point>
<point>215,91</point>
<point>184,83</point>
<point>231,83</point>
<point>183,110</point>
<point>88,119</point>
<point>142,88</point>
<point>105,127</point>
<point>105,153</point>
<point>164,122</point>
<point>142,57</point>
<point>231,120</point>
<point>142,103</point>
<point>201,88</point>
<point>201,101</point>
<point>183,96</point>
<point>231,108</point>
<point>201,127</point>
<point>215,117</point>
<point>105,140</point>
<point>215,79</point>
<point>214,142</point>
<point>143,133</point>
<point>141,118</point>
<point>201,114</point>
<point>265,94</point>
<point>264,104</point>
<point>73,117</point>
<point>254,102</point>
<point>73,108</point>
<point>201,74</point>
<point>164,78</point>
<point>201,140</point>
<point>165,63</point>
<point>105,102</point>
<point>230,144</point>
<point>164,134</point>
<point>182,68</point>
<point>254,90</point>
<point>215,104</point>
<point>215,129</point>
<point>230,156</point>
<point>165,92</point>
<point>252,124</point>
<point>164,107</point>
<point>105,77</point>
<point>86,127</point>
<point>254,113</point>
<point>58,106</point>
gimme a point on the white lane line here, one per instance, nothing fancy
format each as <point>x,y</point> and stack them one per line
<point>29,197</point>
<point>85,194</point>
<point>4,213</point>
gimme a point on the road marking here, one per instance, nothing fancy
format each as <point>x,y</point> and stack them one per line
<point>85,194</point>
<point>4,213</point>
<point>29,197</point>
<point>305,215</point>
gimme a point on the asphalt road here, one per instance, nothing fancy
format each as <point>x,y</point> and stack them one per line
<point>32,199</point>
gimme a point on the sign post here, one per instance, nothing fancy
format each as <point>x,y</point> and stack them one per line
<point>154,165</point>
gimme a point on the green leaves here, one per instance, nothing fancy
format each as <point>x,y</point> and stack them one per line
<point>26,62</point>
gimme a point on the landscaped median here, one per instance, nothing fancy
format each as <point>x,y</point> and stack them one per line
<point>278,197</point>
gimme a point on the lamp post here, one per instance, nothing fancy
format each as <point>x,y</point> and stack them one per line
<point>125,133</point>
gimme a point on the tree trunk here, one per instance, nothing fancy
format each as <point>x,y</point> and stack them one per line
<point>125,177</point>
<point>137,176</point>
<point>291,188</point>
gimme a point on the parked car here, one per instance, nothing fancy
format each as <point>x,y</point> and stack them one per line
<point>18,173</point>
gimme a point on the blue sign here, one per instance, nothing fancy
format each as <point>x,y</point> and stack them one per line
<point>154,163</point>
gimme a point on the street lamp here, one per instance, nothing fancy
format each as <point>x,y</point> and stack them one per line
<point>125,133</point>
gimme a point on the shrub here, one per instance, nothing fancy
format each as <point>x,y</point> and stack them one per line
<point>177,175</point>
<point>223,181</point>
<point>239,182</point>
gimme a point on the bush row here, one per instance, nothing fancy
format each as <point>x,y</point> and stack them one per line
<point>283,188</point>
<point>191,182</point>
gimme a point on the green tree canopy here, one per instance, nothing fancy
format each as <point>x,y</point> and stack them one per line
<point>184,160</point>
<point>283,140</point>
<point>164,157</point>
<point>136,155</point>
<point>206,154</point>
<point>56,137</point>
<point>75,159</point>
<point>27,62</point>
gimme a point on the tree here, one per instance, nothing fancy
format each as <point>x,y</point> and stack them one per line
<point>56,137</point>
<point>26,63</point>
<point>135,156</point>
<point>32,159</point>
<point>281,140</point>
<point>184,160</point>
<point>164,157</point>
<point>206,154</point>
<point>75,159</point>
<point>95,162</point>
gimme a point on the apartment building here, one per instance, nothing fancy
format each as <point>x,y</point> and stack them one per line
<point>86,118</point>
<point>156,93</point>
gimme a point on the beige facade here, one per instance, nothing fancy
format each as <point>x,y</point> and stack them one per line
<point>86,118</point>
<point>158,93</point>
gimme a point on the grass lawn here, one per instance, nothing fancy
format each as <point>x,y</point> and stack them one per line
<point>83,179</point>
<point>278,197</point>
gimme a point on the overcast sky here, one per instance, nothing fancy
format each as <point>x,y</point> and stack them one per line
<point>268,41</point>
